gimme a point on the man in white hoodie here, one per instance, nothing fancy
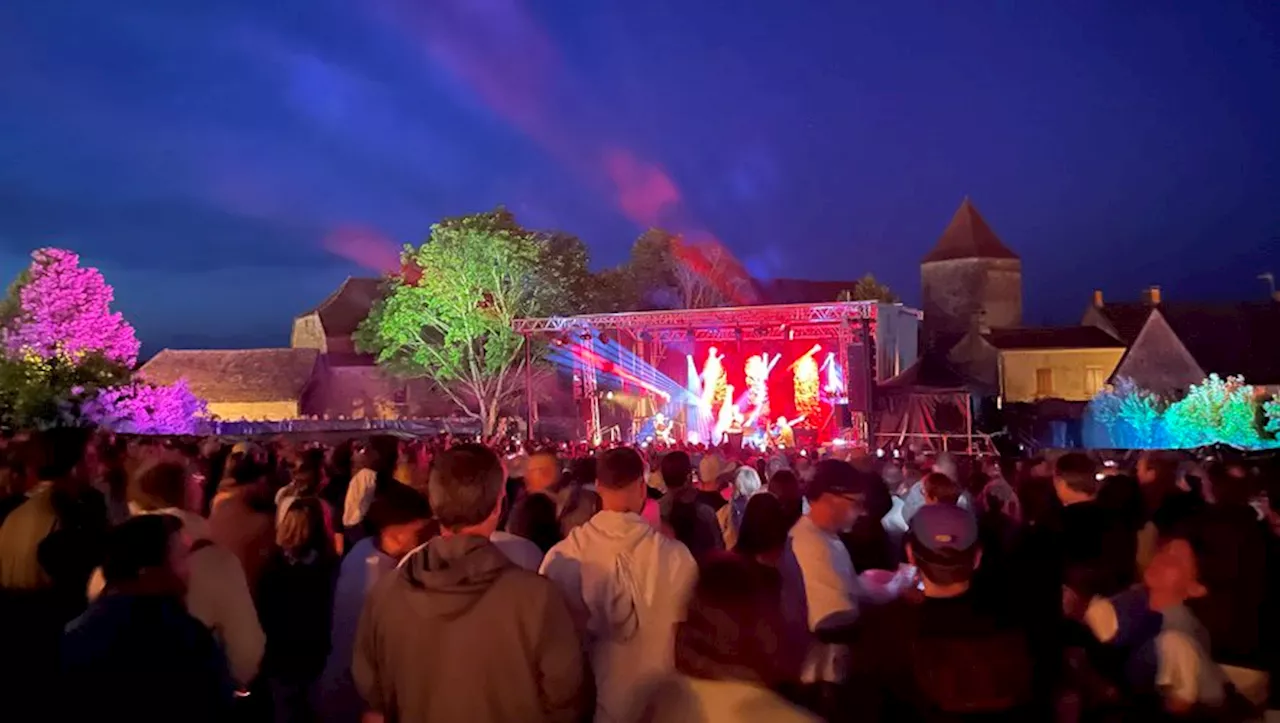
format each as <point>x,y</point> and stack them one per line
<point>627,584</point>
<point>217,591</point>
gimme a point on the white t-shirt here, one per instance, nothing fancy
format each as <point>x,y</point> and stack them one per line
<point>819,577</point>
<point>359,497</point>
<point>628,586</point>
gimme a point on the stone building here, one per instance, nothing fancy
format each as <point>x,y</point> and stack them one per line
<point>969,278</point>
<point>246,384</point>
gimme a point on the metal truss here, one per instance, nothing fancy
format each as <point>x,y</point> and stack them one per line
<point>754,322</point>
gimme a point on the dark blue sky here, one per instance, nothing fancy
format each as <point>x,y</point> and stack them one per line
<point>227,163</point>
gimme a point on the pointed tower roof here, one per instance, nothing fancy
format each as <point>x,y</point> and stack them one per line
<point>968,237</point>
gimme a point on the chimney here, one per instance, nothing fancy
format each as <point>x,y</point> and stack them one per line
<point>1097,298</point>
<point>1151,297</point>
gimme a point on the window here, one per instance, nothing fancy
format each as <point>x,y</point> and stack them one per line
<point>1095,378</point>
<point>1044,382</point>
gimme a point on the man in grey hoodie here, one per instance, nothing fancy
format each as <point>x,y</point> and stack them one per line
<point>459,632</point>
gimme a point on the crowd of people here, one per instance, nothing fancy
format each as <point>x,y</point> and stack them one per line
<point>180,579</point>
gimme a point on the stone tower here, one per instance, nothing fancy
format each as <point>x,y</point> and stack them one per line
<point>969,279</point>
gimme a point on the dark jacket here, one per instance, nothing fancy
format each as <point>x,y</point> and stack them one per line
<point>1234,572</point>
<point>295,606</point>
<point>459,633</point>
<point>142,658</point>
<point>692,522</point>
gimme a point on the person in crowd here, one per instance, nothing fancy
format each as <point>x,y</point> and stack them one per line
<point>307,479</point>
<point>946,654</point>
<point>520,550</point>
<point>746,482</point>
<point>940,489</point>
<point>136,654</point>
<point>1166,502</point>
<point>1097,549</point>
<point>944,465</point>
<point>295,601</point>
<point>627,583</point>
<point>416,645</point>
<point>49,545</point>
<point>375,462</point>
<point>820,586</point>
<point>717,682</point>
<point>785,485</point>
<point>1169,667</point>
<point>535,519</point>
<point>542,472</point>
<point>242,517</point>
<point>868,541</point>
<point>577,501</point>
<point>217,592</point>
<point>400,518</point>
<point>710,469</point>
<point>762,536</point>
<point>1235,608</point>
<point>690,519</point>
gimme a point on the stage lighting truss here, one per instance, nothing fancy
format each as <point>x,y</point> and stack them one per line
<point>804,321</point>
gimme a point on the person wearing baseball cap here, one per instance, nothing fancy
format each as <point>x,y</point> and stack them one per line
<point>945,654</point>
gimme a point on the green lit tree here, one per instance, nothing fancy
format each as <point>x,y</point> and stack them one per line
<point>868,289</point>
<point>1215,411</point>
<point>1272,410</point>
<point>450,320</point>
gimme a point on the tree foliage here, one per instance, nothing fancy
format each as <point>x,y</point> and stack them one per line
<point>868,288</point>
<point>67,358</point>
<point>1215,411</point>
<point>668,271</point>
<point>1131,416</point>
<point>477,275</point>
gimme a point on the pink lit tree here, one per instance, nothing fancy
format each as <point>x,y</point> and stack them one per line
<point>64,308</point>
<point>66,358</point>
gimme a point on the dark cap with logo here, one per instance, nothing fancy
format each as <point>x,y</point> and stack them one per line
<point>943,529</point>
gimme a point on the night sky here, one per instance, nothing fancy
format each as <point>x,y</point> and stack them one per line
<point>227,163</point>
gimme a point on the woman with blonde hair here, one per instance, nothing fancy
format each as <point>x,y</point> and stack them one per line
<point>746,482</point>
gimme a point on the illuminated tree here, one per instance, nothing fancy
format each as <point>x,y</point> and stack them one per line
<point>64,308</point>
<point>1272,410</point>
<point>1131,416</point>
<point>453,326</point>
<point>67,358</point>
<point>1215,411</point>
<point>868,289</point>
<point>669,271</point>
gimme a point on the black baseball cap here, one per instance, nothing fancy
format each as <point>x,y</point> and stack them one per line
<point>944,529</point>
<point>834,477</point>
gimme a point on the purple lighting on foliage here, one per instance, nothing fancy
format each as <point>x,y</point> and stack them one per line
<point>66,309</point>
<point>141,408</point>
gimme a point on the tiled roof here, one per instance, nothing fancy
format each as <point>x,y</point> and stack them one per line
<point>1224,339</point>
<point>968,237</point>
<point>237,375</point>
<point>345,308</point>
<point>1052,337</point>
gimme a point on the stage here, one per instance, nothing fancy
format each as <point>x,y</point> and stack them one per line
<point>801,374</point>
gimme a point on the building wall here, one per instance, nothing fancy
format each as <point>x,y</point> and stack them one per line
<point>363,392</point>
<point>308,333</point>
<point>1070,372</point>
<point>897,339</point>
<point>956,290</point>
<point>254,411</point>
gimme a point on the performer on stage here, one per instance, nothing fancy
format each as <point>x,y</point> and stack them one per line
<point>734,434</point>
<point>662,428</point>
<point>783,434</point>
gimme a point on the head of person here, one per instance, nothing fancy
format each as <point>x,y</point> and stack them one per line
<point>710,467</point>
<point>620,480</point>
<point>746,482</point>
<point>308,472</point>
<point>946,464</point>
<point>1075,478</point>
<point>1173,575</point>
<point>762,535</point>
<point>942,543</point>
<point>582,471</point>
<point>1230,484</point>
<point>541,471</point>
<point>735,628</point>
<point>835,496</point>
<point>146,554</point>
<point>55,454</point>
<point>1158,469</point>
<point>163,485</point>
<point>534,518</point>
<point>466,488</point>
<point>676,469</point>
<point>303,530</point>
<point>785,485</point>
<point>399,516</point>
<point>940,489</point>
